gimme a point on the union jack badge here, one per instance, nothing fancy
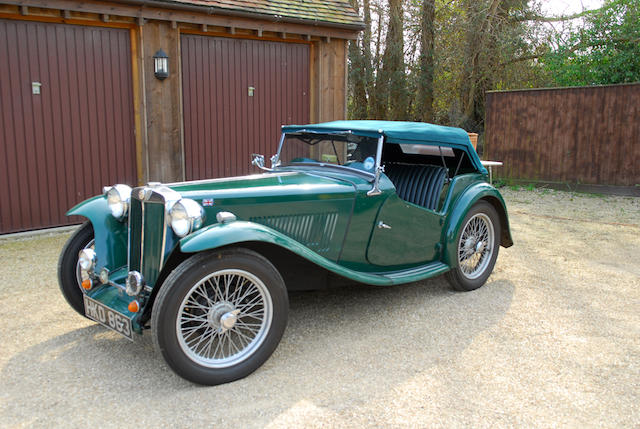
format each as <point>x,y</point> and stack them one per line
<point>207,202</point>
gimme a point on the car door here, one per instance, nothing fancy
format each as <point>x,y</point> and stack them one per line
<point>404,234</point>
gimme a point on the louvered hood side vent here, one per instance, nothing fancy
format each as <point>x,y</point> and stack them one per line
<point>313,230</point>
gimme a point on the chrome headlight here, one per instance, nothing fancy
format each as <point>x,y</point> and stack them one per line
<point>186,216</point>
<point>134,283</point>
<point>118,198</point>
<point>87,259</point>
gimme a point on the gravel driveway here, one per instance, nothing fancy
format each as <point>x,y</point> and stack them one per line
<point>553,339</point>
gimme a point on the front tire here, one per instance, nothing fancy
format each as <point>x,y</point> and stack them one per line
<point>477,244</point>
<point>69,274</point>
<point>220,315</point>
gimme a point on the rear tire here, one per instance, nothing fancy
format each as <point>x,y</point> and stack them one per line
<point>69,276</point>
<point>220,315</point>
<point>477,246</point>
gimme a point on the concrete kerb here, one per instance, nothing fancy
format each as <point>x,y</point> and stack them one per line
<point>38,233</point>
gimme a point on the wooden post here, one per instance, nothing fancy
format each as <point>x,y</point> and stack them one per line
<point>163,103</point>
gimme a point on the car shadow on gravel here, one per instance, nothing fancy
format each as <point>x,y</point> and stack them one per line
<point>345,345</point>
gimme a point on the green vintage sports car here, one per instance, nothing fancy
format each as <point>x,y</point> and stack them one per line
<point>206,265</point>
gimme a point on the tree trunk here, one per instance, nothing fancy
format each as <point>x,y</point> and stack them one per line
<point>425,78</point>
<point>391,86</point>
<point>366,54</point>
<point>357,76</point>
<point>374,85</point>
<point>480,22</point>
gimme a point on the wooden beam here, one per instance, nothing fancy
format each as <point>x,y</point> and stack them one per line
<point>163,101</point>
<point>24,10</point>
<point>138,104</point>
<point>66,14</point>
<point>232,30</point>
<point>203,27</point>
<point>105,17</point>
<point>259,32</point>
<point>174,24</point>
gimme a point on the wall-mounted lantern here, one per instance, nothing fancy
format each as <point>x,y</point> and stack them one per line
<point>161,65</point>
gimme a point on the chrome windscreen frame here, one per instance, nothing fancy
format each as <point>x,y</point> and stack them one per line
<point>275,159</point>
<point>375,190</point>
<point>373,177</point>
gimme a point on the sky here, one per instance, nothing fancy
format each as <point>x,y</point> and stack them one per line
<point>568,7</point>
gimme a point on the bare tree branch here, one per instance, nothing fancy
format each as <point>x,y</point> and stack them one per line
<point>533,16</point>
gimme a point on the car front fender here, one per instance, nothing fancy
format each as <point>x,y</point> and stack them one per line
<point>238,232</point>
<point>469,197</point>
<point>110,234</point>
<point>224,234</point>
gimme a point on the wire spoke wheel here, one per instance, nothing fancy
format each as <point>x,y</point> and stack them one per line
<point>224,318</point>
<point>70,275</point>
<point>219,315</point>
<point>476,246</point>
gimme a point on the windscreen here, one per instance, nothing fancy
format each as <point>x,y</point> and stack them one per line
<point>347,150</point>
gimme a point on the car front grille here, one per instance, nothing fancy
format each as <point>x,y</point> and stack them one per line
<point>147,234</point>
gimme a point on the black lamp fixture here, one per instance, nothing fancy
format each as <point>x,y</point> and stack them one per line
<point>161,65</point>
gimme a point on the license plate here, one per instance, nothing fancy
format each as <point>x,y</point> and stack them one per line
<point>107,317</point>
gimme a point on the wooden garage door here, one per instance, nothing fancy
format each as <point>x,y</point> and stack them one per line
<point>236,95</point>
<point>62,145</point>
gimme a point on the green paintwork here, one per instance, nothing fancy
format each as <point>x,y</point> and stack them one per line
<point>413,237</point>
<point>110,234</point>
<point>135,239</point>
<point>155,229</point>
<point>324,215</point>
<point>118,300</point>
<point>237,232</point>
<point>465,193</point>
<point>286,201</point>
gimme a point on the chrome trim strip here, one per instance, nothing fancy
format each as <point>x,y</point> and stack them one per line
<point>111,283</point>
<point>129,235</point>
<point>164,241</point>
<point>142,237</point>
<point>225,179</point>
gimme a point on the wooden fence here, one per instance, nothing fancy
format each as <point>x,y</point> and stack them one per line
<point>583,135</point>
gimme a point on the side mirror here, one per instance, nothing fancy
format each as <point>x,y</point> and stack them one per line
<point>258,161</point>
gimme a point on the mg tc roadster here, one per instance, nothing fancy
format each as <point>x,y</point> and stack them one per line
<point>206,265</point>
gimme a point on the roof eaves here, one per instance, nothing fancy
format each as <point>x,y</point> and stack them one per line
<point>355,25</point>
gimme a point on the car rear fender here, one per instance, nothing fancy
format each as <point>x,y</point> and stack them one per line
<point>466,200</point>
<point>110,234</point>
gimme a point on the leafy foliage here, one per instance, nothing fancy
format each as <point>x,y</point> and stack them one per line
<point>605,50</point>
<point>452,51</point>
<point>434,60</point>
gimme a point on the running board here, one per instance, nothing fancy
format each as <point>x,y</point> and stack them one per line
<point>418,273</point>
